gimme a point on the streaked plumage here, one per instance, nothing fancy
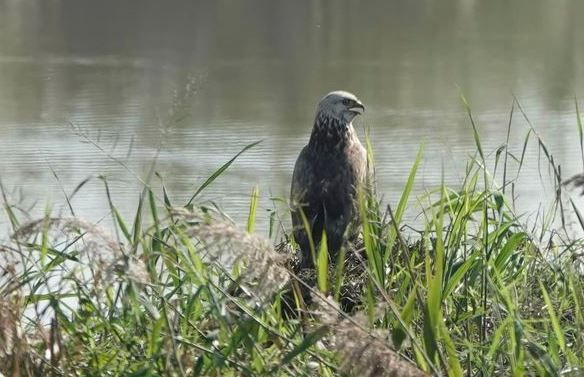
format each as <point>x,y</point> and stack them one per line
<point>326,175</point>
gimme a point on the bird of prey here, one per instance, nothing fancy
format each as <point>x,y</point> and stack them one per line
<point>327,175</point>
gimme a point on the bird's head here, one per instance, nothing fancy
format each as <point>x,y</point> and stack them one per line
<point>341,105</point>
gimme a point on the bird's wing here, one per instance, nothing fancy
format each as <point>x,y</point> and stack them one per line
<point>303,186</point>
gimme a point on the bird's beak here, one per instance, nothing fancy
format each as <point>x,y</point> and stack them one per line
<point>357,108</point>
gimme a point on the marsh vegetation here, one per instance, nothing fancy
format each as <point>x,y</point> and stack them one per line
<point>473,289</point>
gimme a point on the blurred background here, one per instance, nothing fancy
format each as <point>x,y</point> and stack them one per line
<point>94,89</point>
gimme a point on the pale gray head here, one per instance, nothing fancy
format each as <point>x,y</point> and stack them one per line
<point>341,105</point>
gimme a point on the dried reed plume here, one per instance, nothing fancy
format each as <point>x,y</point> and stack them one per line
<point>10,330</point>
<point>100,248</point>
<point>262,269</point>
<point>361,351</point>
<point>17,357</point>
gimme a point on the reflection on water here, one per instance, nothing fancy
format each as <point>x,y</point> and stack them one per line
<point>115,73</point>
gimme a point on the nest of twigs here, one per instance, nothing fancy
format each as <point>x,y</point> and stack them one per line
<point>305,278</point>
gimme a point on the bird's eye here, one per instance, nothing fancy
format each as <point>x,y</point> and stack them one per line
<point>346,102</point>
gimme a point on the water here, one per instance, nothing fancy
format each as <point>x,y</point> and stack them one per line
<point>116,74</point>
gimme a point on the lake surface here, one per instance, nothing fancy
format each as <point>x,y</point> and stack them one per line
<point>93,89</point>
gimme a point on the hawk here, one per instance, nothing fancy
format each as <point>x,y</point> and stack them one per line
<point>327,175</point>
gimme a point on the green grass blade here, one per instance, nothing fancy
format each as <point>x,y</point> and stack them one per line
<point>8,209</point>
<point>399,333</point>
<point>137,228</point>
<point>553,318</point>
<point>373,257</point>
<point>580,131</point>
<point>475,131</point>
<point>322,264</point>
<point>457,276</point>
<point>507,250</point>
<point>306,343</point>
<point>403,202</point>
<point>308,230</point>
<point>220,171</point>
<point>339,273</point>
<point>253,207</point>
<point>121,224</point>
<point>453,367</point>
<point>578,214</point>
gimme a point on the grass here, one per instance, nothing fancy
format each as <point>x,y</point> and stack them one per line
<point>182,291</point>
